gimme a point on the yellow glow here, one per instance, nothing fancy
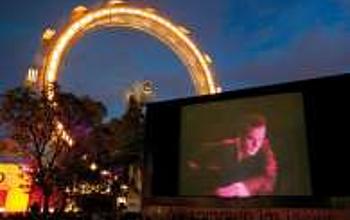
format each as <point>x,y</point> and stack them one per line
<point>62,133</point>
<point>78,12</point>
<point>152,10</point>
<point>16,201</point>
<point>121,200</point>
<point>80,8</point>
<point>93,166</point>
<point>48,34</point>
<point>184,30</point>
<point>32,75</point>
<point>124,187</point>
<point>115,2</point>
<point>105,172</point>
<point>208,59</point>
<point>17,184</point>
<point>59,126</point>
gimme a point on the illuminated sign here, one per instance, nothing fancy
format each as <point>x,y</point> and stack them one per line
<point>15,182</point>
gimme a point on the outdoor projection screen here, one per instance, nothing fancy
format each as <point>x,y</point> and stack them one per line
<point>213,156</point>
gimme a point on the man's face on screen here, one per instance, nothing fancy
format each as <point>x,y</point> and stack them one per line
<point>254,139</point>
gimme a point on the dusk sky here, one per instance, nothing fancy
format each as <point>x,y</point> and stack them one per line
<point>252,43</point>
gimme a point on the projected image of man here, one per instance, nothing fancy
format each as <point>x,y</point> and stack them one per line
<point>253,169</point>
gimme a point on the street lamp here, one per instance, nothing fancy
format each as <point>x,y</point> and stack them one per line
<point>93,166</point>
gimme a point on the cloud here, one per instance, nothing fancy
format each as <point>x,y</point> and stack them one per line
<point>318,52</point>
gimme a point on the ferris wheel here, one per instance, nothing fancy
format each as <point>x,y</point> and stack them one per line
<point>124,15</point>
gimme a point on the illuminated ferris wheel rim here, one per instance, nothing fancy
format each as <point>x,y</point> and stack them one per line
<point>144,19</point>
